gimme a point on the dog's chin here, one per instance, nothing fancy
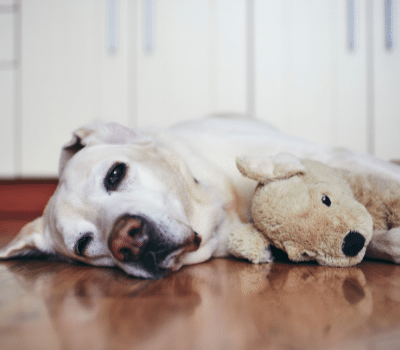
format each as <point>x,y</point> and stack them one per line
<point>135,271</point>
<point>173,261</point>
<point>148,268</point>
<point>151,267</point>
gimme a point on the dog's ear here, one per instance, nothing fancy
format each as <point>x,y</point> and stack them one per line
<point>28,243</point>
<point>99,133</point>
<point>265,169</point>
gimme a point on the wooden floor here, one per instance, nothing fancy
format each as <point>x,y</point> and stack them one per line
<point>221,304</point>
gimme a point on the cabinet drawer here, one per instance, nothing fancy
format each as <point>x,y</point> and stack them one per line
<point>6,123</point>
<point>6,36</point>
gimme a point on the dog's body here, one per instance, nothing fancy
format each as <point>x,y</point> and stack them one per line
<point>153,200</point>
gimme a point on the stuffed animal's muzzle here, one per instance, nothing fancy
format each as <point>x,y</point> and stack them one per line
<point>350,248</point>
<point>347,251</point>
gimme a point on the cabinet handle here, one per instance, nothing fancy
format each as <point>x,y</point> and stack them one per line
<point>148,26</point>
<point>389,24</point>
<point>112,24</point>
<point>350,25</point>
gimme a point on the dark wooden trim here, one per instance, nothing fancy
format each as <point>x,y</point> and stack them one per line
<point>25,199</point>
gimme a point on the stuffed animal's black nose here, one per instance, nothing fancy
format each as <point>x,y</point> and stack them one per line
<point>353,243</point>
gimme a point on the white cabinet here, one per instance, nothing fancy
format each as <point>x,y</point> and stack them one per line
<point>227,22</point>
<point>190,59</point>
<point>8,77</point>
<point>172,72</point>
<point>69,78</point>
<point>7,151</point>
<point>349,118</point>
<point>180,59</point>
<point>195,67</point>
<point>7,33</point>
<point>312,83</point>
<point>308,82</point>
<point>386,78</point>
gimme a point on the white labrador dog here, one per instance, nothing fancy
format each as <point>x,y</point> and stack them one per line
<point>150,201</point>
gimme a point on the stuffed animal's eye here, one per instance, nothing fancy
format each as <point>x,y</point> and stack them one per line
<point>326,200</point>
<point>114,176</point>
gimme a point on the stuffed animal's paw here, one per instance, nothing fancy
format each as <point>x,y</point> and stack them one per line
<point>246,242</point>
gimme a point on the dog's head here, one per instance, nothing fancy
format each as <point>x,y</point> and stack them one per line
<point>122,200</point>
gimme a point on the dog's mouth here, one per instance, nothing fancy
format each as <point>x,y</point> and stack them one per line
<point>136,240</point>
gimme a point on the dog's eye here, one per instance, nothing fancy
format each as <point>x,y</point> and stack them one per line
<point>82,243</point>
<point>114,176</point>
<point>326,200</point>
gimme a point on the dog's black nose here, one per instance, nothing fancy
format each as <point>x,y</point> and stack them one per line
<point>353,243</point>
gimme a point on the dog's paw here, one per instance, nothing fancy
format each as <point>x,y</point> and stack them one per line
<point>246,242</point>
<point>266,256</point>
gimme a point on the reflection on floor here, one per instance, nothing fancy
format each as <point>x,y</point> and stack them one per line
<point>221,304</point>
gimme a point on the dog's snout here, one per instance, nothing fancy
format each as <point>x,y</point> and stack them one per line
<point>353,243</point>
<point>129,238</point>
<point>138,242</point>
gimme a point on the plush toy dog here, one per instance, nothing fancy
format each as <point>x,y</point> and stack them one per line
<point>314,212</point>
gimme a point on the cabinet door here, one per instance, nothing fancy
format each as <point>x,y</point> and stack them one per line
<point>386,78</point>
<point>69,77</point>
<point>195,67</point>
<point>308,82</point>
<point>228,80</point>
<point>7,134</point>
<point>172,61</point>
<point>190,59</point>
<point>7,90</point>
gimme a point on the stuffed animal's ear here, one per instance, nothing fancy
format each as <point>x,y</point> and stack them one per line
<point>29,242</point>
<point>264,169</point>
<point>99,133</point>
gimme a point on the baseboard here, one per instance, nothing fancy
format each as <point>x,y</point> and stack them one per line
<point>25,199</point>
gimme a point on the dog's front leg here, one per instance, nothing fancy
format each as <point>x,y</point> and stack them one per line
<point>246,242</point>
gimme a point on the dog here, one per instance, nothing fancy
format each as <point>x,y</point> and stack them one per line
<point>150,201</point>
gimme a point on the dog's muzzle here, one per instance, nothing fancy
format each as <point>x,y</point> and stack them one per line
<point>134,239</point>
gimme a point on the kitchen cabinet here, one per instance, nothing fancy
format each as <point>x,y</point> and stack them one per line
<point>320,70</point>
<point>326,72</point>
<point>7,150</point>
<point>69,79</point>
<point>8,76</point>
<point>190,60</point>
<point>72,76</point>
<point>309,81</point>
<point>385,74</point>
<point>172,71</point>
